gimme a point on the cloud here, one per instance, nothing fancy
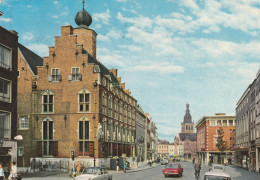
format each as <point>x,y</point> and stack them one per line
<point>161,67</point>
<point>55,2</point>
<point>28,36</point>
<point>29,6</point>
<point>40,49</point>
<point>5,19</point>
<point>104,17</point>
<point>55,16</point>
<point>121,0</point>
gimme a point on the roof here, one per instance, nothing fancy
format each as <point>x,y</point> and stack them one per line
<point>217,173</point>
<point>32,59</point>
<point>189,136</point>
<point>103,69</point>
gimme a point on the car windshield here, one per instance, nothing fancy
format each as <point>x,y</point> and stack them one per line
<point>91,171</point>
<point>218,167</point>
<point>215,178</point>
<point>171,166</point>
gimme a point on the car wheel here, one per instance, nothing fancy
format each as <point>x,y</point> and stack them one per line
<point>165,175</point>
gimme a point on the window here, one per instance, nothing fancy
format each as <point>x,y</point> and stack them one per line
<point>75,74</point>
<point>47,102</point>
<point>5,90</point>
<point>55,75</point>
<point>230,122</point>
<point>47,136</point>
<point>24,122</point>
<point>224,122</point>
<point>5,125</point>
<point>85,146</point>
<point>125,113</point>
<point>5,57</point>
<point>110,106</point>
<point>20,151</point>
<point>219,123</point>
<point>121,111</point>
<point>104,103</point>
<point>18,73</point>
<point>116,109</point>
<point>84,101</point>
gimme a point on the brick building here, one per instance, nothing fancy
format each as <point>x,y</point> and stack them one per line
<point>207,135</point>
<point>76,103</point>
<point>8,95</point>
<point>186,140</point>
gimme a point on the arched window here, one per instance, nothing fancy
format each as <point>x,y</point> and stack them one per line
<point>48,136</point>
<point>84,100</point>
<point>47,101</point>
<point>85,146</point>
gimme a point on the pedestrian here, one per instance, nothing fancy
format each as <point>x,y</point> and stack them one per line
<point>78,166</point>
<point>193,160</point>
<point>2,175</point>
<point>13,171</point>
<point>197,167</point>
<point>125,165</point>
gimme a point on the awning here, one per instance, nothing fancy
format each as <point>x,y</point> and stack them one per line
<point>241,148</point>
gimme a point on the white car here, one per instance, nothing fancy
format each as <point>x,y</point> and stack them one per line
<point>94,173</point>
<point>216,175</point>
<point>217,167</point>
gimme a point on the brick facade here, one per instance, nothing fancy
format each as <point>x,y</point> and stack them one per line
<point>107,103</point>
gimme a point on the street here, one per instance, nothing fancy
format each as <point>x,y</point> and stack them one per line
<point>155,173</point>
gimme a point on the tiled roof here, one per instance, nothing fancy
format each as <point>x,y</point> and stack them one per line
<point>32,59</point>
<point>189,136</point>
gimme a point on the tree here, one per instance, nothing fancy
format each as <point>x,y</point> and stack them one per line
<point>221,144</point>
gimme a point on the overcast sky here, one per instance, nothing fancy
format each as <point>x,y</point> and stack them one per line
<point>169,52</point>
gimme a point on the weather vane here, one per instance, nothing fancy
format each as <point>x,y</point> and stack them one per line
<point>83,3</point>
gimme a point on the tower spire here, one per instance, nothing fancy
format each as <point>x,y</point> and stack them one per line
<point>83,1</point>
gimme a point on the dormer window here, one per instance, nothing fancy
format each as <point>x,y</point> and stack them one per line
<point>55,75</point>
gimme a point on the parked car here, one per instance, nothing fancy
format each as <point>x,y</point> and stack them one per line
<point>216,175</point>
<point>94,173</point>
<point>172,169</point>
<point>164,161</point>
<point>217,167</point>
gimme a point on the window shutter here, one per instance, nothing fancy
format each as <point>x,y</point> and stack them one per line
<point>39,148</point>
<point>55,148</point>
<point>80,77</point>
<point>50,78</point>
<point>59,78</point>
<point>70,77</point>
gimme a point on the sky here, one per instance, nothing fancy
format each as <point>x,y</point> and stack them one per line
<point>169,52</point>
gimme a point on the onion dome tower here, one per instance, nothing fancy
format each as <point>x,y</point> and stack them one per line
<point>83,18</point>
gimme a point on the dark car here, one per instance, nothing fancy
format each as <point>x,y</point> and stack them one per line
<point>172,169</point>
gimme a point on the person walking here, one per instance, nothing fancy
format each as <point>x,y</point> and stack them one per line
<point>197,167</point>
<point>13,171</point>
<point>2,175</point>
<point>125,165</point>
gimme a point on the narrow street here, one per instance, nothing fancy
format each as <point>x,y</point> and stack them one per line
<point>155,173</point>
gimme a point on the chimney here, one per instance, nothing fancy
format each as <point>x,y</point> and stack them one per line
<point>114,71</point>
<point>123,85</point>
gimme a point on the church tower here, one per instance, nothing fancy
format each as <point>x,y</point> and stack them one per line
<point>187,126</point>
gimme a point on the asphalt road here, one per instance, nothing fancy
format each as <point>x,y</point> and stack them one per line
<point>156,173</point>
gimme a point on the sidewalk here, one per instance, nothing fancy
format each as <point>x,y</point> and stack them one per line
<point>134,169</point>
